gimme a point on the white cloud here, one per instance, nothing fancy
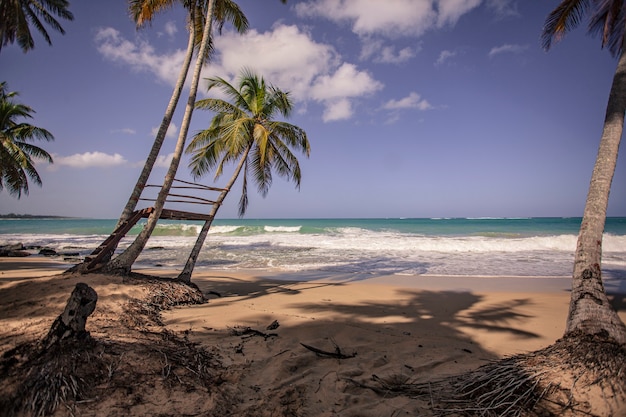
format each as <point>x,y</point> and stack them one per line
<point>503,8</point>
<point>125,130</point>
<point>337,110</point>
<point>346,82</point>
<point>170,28</point>
<point>375,17</point>
<point>444,56</point>
<point>450,11</point>
<point>391,18</point>
<point>291,60</point>
<point>286,56</point>
<point>164,161</point>
<point>90,160</point>
<point>139,55</point>
<point>412,101</point>
<point>507,48</point>
<point>380,53</point>
<point>172,131</point>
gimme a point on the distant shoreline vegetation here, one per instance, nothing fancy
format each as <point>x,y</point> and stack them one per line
<point>29,216</point>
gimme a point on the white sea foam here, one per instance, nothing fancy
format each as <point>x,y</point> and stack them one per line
<point>336,248</point>
<point>282,229</point>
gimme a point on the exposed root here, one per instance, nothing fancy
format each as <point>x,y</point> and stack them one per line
<point>163,294</point>
<point>556,381</point>
<point>78,372</point>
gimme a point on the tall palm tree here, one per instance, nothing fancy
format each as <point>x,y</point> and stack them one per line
<point>590,311</point>
<point>123,263</point>
<point>16,154</point>
<point>244,130</point>
<point>142,12</point>
<point>16,17</point>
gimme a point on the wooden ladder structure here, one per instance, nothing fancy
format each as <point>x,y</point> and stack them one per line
<point>107,247</point>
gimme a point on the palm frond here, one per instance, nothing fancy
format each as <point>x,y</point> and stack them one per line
<point>608,21</point>
<point>561,20</point>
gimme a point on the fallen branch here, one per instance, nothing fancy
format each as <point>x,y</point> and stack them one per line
<point>336,354</point>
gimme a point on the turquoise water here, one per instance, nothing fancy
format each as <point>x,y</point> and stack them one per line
<point>457,246</point>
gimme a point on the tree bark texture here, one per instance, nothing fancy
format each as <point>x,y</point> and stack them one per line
<point>123,263</point>
<point>185,275</point>
<point>590,311</point>
<point>160,136</point>
<point>71,323</point>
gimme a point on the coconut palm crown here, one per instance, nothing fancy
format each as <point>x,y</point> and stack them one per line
<point>245,127</point>
<point>17,155</point>
<point>16,17</point>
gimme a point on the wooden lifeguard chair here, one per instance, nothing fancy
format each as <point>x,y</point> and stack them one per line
<point>107,247</point>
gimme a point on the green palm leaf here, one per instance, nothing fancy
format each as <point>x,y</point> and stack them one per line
<point>243,127</point>
<point>17,155</point>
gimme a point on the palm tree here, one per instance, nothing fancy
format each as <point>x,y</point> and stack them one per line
<point>16,16</point>
<point>590,311</point>
<point>16,154</point>
<point>142,12</point>
<point>123,263</point>
<point>244,130</point>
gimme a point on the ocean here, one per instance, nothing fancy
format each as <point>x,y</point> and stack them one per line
<point>440,246</point>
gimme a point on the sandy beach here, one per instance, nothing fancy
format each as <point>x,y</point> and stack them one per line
<point>416,328</point>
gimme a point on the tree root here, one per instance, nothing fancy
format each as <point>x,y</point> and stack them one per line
<point>556,381</point>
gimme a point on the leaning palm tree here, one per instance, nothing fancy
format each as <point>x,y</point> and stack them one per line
<point>244,130</point>
<point>142,12</point>
<point>590,311</point>
<point>17,155</point>
<point>123,263</point>
<point>16,17</point>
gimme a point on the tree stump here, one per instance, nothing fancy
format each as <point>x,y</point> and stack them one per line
<point>71,323</point>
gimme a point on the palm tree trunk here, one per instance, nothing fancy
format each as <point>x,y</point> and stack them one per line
<point>123,263</point>
<point>185,275</point>
<point>590,311</point>
<point>160,137</point>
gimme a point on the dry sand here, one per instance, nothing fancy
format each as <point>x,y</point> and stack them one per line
<point>412,328</point>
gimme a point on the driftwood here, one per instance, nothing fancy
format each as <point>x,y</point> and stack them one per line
<point>71,323</point>
<point>336,354</point>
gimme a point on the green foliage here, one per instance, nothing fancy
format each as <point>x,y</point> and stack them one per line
<point>17,16</point>
<point>244,128</point>
<point>17,155</point>
<point>606,18</point>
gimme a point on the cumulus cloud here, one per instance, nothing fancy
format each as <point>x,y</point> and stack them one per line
<point>412,101</point>
<point>386,54</point>
<point>444,56</point>
<point>337,110</point>
<point>393,18</point>
<point>172,131</point>
<point>90,160</point>
<point>139,55</point>
<point>450,11</point>
<point>293,61</point>
<point>164,161</point>
<point>374,17</point>
<point>507,48</point>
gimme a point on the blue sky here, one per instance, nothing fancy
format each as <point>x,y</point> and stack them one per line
<point>429,108</point>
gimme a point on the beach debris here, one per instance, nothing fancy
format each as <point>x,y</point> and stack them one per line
<point>71,323</point>
<point>247,332</point>
<point>273,325</point>
<point>336,354</point>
